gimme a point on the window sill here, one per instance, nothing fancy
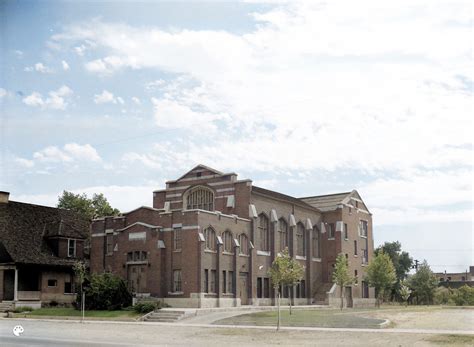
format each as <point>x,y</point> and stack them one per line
<point>209,251</point>
<point>228,253</point>
<point>355,255</point>
<point>316,259</point>
<point>346,239</point>
<point>175,293</point>
<point>300,257</point>
<point>244,255</point>
<point>137,262</point>
<point>331,238</point>
<point>177,251</point>
<point>265,253</point>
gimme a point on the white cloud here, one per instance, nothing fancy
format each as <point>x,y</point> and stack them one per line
<point>69,153</point>
<point>24,162</point>
<point>65,65</point>
<point>136,100</point>
<point>3,93</point>
<point>38,67</point>
<point>107,97</point>
<point>56,100</point>
<point>153,85</point>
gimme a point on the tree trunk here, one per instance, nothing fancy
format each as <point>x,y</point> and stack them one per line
<point>278,322</point>
<point>342,298</point>
<point>291,299</point>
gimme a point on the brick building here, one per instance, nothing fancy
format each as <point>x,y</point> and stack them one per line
<point>210,239</point>
<point>38,247</point>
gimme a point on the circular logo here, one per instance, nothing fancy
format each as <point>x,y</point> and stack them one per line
<point>18,330</point>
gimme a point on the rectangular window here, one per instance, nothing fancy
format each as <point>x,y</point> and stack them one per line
<point>52,283</point>
<point>259,287</point>
<point>266,286</point>
<point>143,256</point>
<point>230,282</point>
<point>136,256</point>
<point>356,278</point>
<point>363,228</point>
<point>213,281</point>
<point>71,248</point>
<point>346,232</point>
<point>355,247</point>
<point>206,281</point>
<point>224,282</point>
<point>365,290</point>
<point>177,281</point>
<point>331,231</point>
<point>130,256</point>
<point>177,239</point>
<point>110,244</point>
<point>297,289</point>
<point>68,284</point>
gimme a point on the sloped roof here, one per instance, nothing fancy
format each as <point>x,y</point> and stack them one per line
<point>25,229</point>
<point>327,202</point>
<point>281,196</point>
<point>203,167</point>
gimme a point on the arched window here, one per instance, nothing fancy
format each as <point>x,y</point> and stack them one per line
<point>316,251</point>
<point>210,236</point>
<point>300,240</point>
<point>201,198</point>
<point>264,232</point>
<point>283,229</point>
<point>227,239</point>
<point>244,244</point>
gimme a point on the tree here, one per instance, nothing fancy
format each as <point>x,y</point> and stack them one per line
<point>401,261</point>
<point>423,283</point>
<point>80,272</point>
<point>404,292</point>
<point>381,275</point>
<point>96,207</point>
<point>340,276</point>
<point>285,271</point>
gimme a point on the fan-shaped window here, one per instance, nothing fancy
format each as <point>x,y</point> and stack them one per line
<point>210,236</point>
<point>264,232</point>
<point>283,229</point>
<point>201,198</point>
<point>227,240</point>
<point>244,244</point>
<point>300,240</point>
<point>316,243</point>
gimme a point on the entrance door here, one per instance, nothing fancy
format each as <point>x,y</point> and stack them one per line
<point>137,278</point>
<point>330,271</point>
<point>243,288</point>
<point>348,296</point>
<point>8,285</point>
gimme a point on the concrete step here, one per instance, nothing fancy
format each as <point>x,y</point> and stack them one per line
<point>160,320</point>
<point>165,316</point>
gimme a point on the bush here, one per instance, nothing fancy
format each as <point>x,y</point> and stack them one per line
<point>105,292</point>
<point>464,296</point>
<point>443,296</point>
<point>144,307</point>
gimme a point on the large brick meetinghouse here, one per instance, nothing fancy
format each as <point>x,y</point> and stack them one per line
<point>210,239</point>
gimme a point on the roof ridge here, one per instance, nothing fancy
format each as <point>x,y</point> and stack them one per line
<point>321,196</point>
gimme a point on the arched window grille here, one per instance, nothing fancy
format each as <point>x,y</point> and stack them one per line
<point>201,198</point>
<point>316,243</point>
<point>244,244</point>
<point>283,229</point>
<point>264,232</point>
<point>227,240</point>
<point>210,237</point>
<point>300,240</point>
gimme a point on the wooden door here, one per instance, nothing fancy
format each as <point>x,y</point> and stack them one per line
<point>137,278</point>
<point>243,288</point>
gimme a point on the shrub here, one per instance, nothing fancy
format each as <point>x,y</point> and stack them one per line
<point>443,296</point>
<point>144,307</point>
<point>464,296</point>
<point>105,292</point>
<point>23,309</point>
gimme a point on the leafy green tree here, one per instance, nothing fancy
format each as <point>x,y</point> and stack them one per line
<point>423,283</point>
<point>80,272</point>
<point>285,271</point>
<point>401,261</point>
<point>404,291</point>
<point>381,275</point>
<point>96,207</point>
<point>341,276</point>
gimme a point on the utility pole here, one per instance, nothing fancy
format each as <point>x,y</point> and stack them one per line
<point>416,265</point>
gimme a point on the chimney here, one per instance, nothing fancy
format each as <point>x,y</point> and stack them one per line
<point>4,197</point>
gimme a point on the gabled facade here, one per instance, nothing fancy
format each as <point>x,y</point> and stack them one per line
<point>38,247</point>
<point>210,239</point>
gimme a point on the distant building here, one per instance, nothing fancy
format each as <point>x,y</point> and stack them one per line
<point>210,239</point>
<point>38,247</point>
<point>457,279</point>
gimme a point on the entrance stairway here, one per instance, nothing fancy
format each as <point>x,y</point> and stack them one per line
<point>320,295</point>
<point>165,316</point>
<point>6,306</point>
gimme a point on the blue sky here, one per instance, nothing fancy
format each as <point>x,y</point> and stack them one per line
<point>305,98</point>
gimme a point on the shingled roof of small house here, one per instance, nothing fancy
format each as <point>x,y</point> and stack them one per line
<point>26,228</point>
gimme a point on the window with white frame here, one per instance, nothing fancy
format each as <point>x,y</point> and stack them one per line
<point>210,237</point>
<point>244,244</point>
<point>71,248</point>
<point>177,283</point>
<point>200,198</point>
<point>264,232</point>
<point>283,229</point>
<point>227,240</point>
<point>110,244</point>
<point>363,228</point>
<point>177,239</point>
<point>331,231</point>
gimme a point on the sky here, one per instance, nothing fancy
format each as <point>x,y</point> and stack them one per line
<point>305,98</point>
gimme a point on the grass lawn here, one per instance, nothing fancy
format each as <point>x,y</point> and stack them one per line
<point>71,312</point>
<point>305,318</point>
